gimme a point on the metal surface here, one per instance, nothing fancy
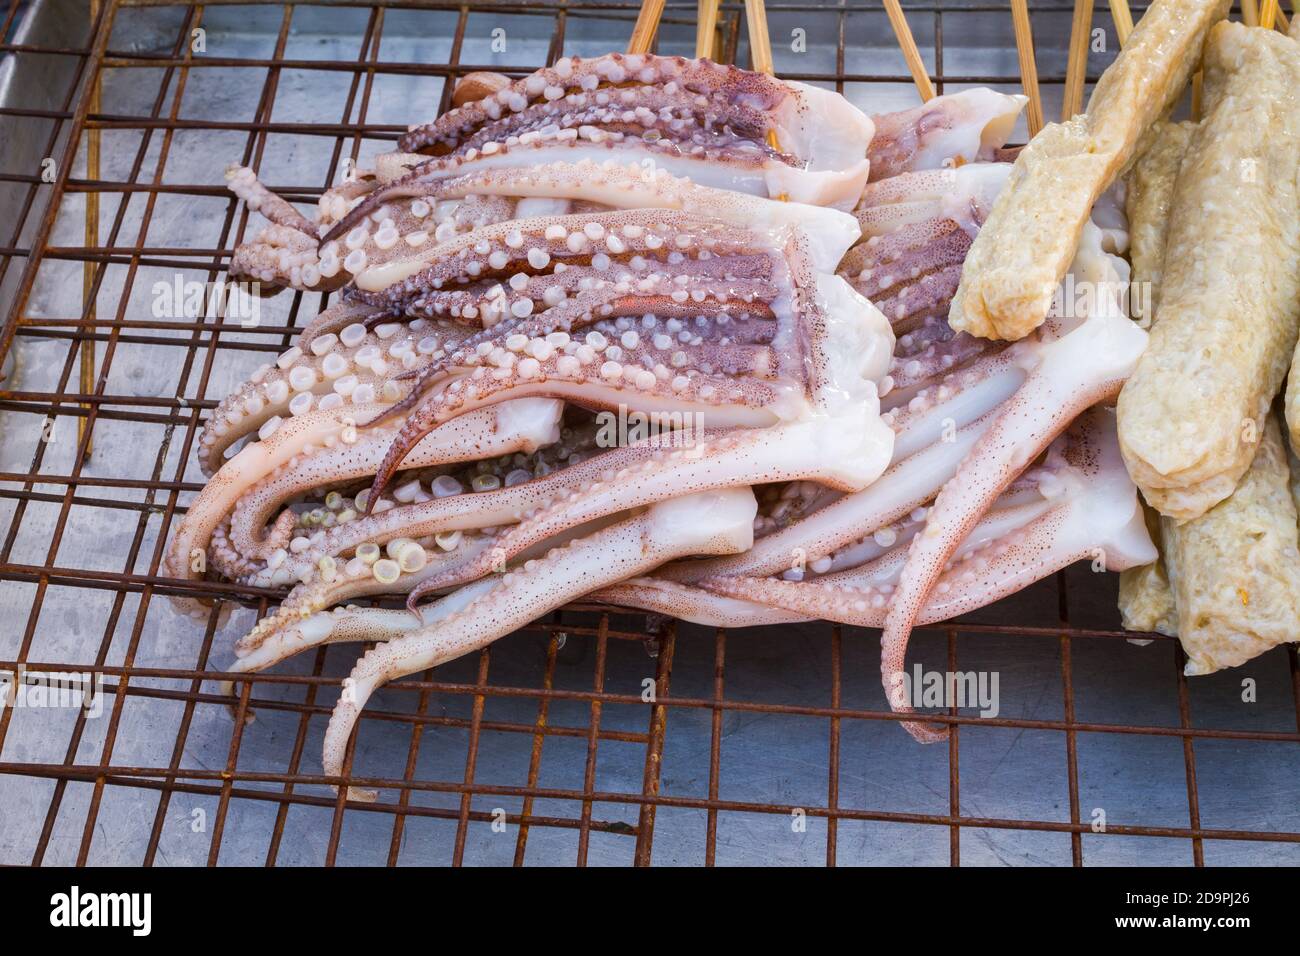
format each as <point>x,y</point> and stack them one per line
<point>568,742</point>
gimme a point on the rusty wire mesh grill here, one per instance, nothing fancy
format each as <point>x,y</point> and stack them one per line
<point>577,688</point>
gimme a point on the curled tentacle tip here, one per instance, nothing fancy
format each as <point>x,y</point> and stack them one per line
<point>359,794</point>
<point>226,688</point>
<point>372,495</point>
<point>925,733</point>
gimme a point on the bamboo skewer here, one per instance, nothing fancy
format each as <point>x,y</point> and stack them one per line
<point>1268,12</point>
<point>1028,67</point>
<point>920,75</point>
<point>1119,12</point>
<point>760,44</point>
<point>647,25</point>
<point>706,28</point>
<point>1250,13</point>
<point>760,55</point>
<point>1076,70</point>
<point>87,351</point>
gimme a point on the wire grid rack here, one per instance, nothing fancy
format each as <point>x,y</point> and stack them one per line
<point>613,728</point>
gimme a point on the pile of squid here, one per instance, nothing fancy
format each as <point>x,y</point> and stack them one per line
<point>666,335</point>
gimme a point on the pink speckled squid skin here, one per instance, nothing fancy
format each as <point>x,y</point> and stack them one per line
<point>714,522</point>
<point>1081,368</point>
<point>583,135</point>
<point>1077,504</point>
<point>707,329</point>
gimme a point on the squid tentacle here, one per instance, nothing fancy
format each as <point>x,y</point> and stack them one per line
<point>689,602</point>
<point>481,436</point>
<point>302,622</point>
<point>708,522</point>
<point>243,182</point>
<point>935,429</point>
<point>846,452</point>
<point>1078,504</point>
<point>295,440</point>
<point>1085,366</point>
<point>327,370</point>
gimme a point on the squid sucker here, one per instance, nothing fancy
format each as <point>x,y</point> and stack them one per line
<point>661,334</point>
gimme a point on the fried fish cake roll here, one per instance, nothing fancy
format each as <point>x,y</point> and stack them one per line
<point>1150,196</point>
<point>1293,380</point>
<point>1224,333</point>
<point>1029,241</point>
<point>1146,601</point>
<point>1235,570</point>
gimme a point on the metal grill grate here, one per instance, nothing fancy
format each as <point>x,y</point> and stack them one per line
<point>603,746</point>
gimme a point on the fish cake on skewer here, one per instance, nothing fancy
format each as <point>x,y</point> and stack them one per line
<point>1293,380</point>
<point>1146,601</point>
<point>1191,415</point>
<point>1150,196</point>
<point>1029,241</point>
<point>1235,571</point>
